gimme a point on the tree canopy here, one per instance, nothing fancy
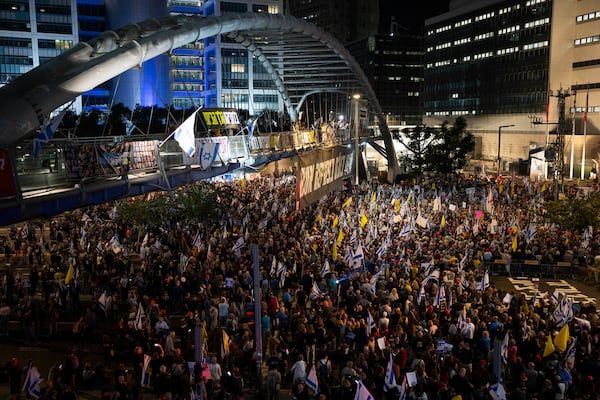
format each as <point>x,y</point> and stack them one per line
<point>443,150</point>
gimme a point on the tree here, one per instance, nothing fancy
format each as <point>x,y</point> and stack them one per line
<point>451,152</point>
<point>442,150</point>
<point>195,203</point>
<point>417,142</point>
<point>200,202</point>
<point>574,215</point>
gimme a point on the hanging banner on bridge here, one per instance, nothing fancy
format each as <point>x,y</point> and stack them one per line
<point>7,179</point>
<point>97,160</point>
<point>322,171</point>
<point>220,118</point>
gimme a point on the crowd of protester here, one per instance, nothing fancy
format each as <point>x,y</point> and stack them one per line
<point>345,283</point>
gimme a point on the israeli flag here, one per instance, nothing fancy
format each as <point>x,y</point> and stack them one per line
<point>504,349</point>
<point>370,323</point>
<point>312,381</point>
<point>184,135</point>
<point>497,391</point>
<point>208,154</point>
<point>239,244</point>
<point>32,381</point>
<point>485,282</point>
<point>326,268</point>
<point>440,296</point>
<point>390,376</point>
<point>358,257</point>
<point>315,292</point>
<point>129,126</point>
<point>47,133</point>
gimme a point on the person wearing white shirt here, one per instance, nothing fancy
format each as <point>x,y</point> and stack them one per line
<point>468,331</point>
<point>298,370</point>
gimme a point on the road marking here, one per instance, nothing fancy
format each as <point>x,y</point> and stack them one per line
<point>528,289</point>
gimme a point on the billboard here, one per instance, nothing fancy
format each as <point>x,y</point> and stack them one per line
<point>322,171</point>
<point>219,118</point>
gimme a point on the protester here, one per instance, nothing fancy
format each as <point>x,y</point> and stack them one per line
<point>401,270</point>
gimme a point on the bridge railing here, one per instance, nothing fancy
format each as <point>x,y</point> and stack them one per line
<point>66,162</point>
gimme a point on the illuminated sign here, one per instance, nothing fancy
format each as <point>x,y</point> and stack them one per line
<point>214,118</point>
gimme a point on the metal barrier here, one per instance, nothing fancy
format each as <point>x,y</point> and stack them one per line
<point>532,268</point>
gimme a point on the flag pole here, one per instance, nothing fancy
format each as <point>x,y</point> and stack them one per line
<point>573,137</point>
<point>584,136</point>
<point>161,143</point>
<point>547,138</point>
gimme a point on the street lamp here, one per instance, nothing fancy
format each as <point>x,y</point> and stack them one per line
<point>499,135</point>
<point>356,98</point>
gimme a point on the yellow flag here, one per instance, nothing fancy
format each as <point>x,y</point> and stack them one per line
<point>397,205</point>
<point>225,348</point>
<point>336,220</point>
<point>334,253</point>
<point>560,341</point>
<point>514,243</point>
<point>347,202</point>
<point>243,183</point>
<point>543,187</point>
<point>549,349</point>
<point>69,276</point>
<point>500,188</point>
<point>340,237</point>
<point>363,220</point>
<point>443,223</point>
<point>374,198</point>
<point>433,186</point>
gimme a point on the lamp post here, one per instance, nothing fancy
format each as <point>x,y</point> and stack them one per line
<point>499,136</point>
<point>356,98</point>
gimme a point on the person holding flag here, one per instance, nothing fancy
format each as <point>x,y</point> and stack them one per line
<point>389,383</point>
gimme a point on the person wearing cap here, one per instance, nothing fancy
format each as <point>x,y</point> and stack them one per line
<point>587,387</point>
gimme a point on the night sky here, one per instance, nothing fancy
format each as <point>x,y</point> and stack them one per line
<point>410,14</point>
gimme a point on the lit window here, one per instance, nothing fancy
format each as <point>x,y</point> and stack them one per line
<point>238,68</point>
<point>534,2</point>
<point>537,45</point>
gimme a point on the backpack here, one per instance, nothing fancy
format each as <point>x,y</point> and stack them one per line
<point>323,369</point>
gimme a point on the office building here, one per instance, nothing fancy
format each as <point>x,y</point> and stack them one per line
<point>501,64</point>
<point>394,65</point>
<point>33,31</point>
<point>214,72</point>
<point>389,50</point>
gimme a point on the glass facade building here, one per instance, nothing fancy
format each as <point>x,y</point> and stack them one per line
<point>33,31</point>
<point>214,72</point>
<point>489,60</point>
